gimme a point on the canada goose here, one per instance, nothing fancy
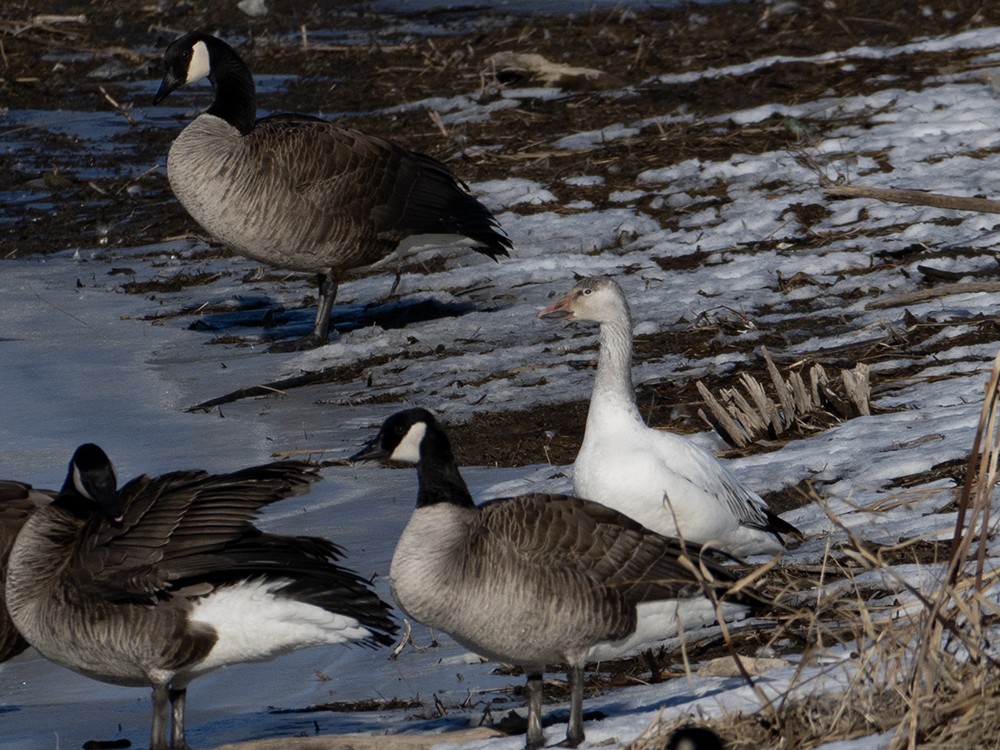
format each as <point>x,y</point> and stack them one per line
<point>662,480</point>
<point>17,502</point>
<point>694,738</point>
<point>530,580</point>
<point>301,193</point>
<point>167,579</point>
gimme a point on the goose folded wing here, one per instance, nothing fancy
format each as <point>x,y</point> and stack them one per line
<point>314,169</point>
<point>382,190</point>
<point>17,502</point>
<point>614,550</point>
<point>710,480</point>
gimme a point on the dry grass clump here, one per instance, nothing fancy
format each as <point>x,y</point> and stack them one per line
<point>920,672</point>
<point>742,417</point>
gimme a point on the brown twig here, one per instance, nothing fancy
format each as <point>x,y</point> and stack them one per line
<point>915,197</point>
<point>923,295</point>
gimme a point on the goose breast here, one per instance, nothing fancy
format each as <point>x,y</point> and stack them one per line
<point>520,601</point>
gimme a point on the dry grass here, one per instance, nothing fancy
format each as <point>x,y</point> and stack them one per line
<point>742,417</point>
<point>921,671</point>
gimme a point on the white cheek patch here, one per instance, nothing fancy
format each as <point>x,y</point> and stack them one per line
<point>408,449</point>
<point>78,483</point>
<point>200,64</point>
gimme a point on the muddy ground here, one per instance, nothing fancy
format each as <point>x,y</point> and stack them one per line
<point>86,64</point>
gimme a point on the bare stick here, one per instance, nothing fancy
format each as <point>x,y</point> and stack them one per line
<point>915,197</point>
<point>922,295</point>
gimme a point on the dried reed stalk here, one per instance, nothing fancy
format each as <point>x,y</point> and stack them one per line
<point>979,483</point>
<point>744,417</point>
<point>924,667</point>
<point>915,197</point>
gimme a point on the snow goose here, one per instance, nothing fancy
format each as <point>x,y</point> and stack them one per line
<point>531,580</point>
<point>17,502</point>
<point>301,193</point>
<point>662,480</point>
<point>167,579</point>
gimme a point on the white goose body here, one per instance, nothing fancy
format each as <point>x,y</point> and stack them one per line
<point>666,482</point>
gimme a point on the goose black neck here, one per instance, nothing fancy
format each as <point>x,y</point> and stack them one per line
<point>439,478</point>
<point>72,501</point>
<point>235,98</point>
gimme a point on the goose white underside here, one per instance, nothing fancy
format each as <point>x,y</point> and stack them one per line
<point>661,620</point>
<point>420,243</point>
<point>254,624</point>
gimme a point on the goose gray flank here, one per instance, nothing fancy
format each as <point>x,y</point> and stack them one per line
<point>297,192</point>
<point>531,580</point>
<point>167,578</point>
<point>17,501</point>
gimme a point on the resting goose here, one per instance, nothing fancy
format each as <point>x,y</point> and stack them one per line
<point>531,580</point>
<point>167,579</point>
<point>662,480</point>
<point>297,192</point>
<point>694,738</point>
<point>17,502</point>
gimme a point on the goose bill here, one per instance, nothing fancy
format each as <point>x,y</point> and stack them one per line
<point>370,451</point>
<point>560,309</point>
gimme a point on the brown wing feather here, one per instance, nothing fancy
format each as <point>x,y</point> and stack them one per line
<point>366,187</point>
<point>614,550</point>
<point>175,524</point>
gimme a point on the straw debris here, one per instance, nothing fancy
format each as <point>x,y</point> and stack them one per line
<point>919,669</point>
<point>743,417</point>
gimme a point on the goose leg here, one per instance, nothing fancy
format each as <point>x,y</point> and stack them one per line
<point>321,325</point>
<point>574,732</point>
<point>327,294</point>
<point>178,697</point>
<point>534,689</point>
<point>158,733</point>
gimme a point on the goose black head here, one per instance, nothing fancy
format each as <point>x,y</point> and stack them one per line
<point>187,59</point>
<point>92,479</point>
<point>400,437</point>
<point>694,738</point>
<point>413,436</point>
<point>198,55</point>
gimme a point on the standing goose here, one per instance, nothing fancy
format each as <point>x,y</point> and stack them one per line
<point>17,502</point>
<point>297,192</point>
<point>662,480</point>
<point>167,579</point>
<point>531,580</point>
